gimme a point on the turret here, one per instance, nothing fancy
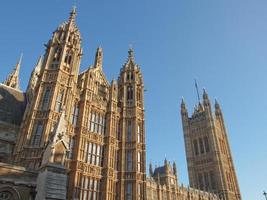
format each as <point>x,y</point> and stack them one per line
<point>99,58</point>
<point>13,78</point>
<point>206,101</point>
<point>183,109</point>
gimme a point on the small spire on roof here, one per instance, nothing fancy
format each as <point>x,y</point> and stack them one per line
<point>73,14</point>
<point>13,78</point>
<point>131,53</point>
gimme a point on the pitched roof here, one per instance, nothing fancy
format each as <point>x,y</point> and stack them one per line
<point>12,105</point>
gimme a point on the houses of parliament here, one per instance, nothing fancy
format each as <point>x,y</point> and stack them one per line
<point>76,136</point>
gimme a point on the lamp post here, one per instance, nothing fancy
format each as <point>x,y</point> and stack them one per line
<point>265,194</point>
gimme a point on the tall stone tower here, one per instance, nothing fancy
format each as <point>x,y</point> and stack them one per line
<point>209,159</point>
<point>54,88</point>
<point>79,127</point>
<point>131,154</point>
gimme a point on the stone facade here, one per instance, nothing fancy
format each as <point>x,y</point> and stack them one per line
<point>162,184</point>
<point>209,159</point>
<point>76,135</point>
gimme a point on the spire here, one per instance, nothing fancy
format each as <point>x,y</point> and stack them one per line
<point>73,14</point>
<point>99,58</point>
<point>13,78</point>
<point>206,101</point>
<point>34,78</point>
<point>183,107</point>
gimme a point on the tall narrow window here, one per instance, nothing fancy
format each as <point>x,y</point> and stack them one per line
<point>129,161</point>
<point>129,131</point>
<point>206,141</point>
<point>129,93</point>
<point>138,133</point>
<point>37,133</point>
<point>45,100</point>
<point>75,114</point>
<point>98,155</point>
<point>201,145</point>
<point>92,122</point>
<point>89,153</point>
<point>59,100</point>
<point>129,192</point>
<point>196,147</point>
<point>139,162</point>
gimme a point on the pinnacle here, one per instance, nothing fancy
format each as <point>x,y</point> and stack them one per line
<point>73,14</point>
<point>131,53</point>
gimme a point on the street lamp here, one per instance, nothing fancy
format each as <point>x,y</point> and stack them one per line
<point>265,194</point>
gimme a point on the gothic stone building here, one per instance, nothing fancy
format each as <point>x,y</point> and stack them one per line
<point>75,135</point>
<point>209,159</point>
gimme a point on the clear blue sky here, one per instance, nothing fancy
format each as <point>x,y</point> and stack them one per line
<point>221,43</point>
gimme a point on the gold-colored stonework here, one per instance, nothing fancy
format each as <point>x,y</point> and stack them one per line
<point>209,159</point>
<point>75,135</point>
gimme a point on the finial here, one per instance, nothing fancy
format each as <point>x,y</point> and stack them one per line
<point>196,85</point>
<point>131,52</point>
